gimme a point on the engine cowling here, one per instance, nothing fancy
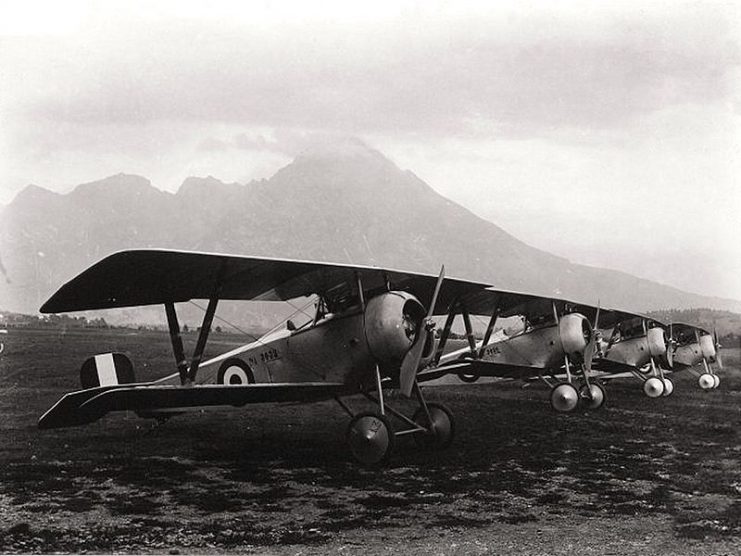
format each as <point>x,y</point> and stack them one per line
<point>707,346</point>
<point>575,331</point>
<point>392,321</point>
<point>656,341</point>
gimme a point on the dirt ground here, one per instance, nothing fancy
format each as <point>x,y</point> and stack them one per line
<point>640,476</point>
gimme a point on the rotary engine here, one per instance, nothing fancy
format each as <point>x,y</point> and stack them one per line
<point>392,322</point>
<point>575,331</point>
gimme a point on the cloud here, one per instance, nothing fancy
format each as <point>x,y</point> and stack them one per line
<point>429,76</point>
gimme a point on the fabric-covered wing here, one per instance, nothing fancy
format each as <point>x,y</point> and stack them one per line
<point>86,406</point>
<point>149,277</point>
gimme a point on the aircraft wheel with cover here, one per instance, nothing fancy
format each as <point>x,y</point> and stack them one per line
<point>716,381</point>
<point>465,377</point>
<point>653,387</point>
<point>235,372</point>
<point>596,400</point>
<point>370,438</point>
<point>442,428</point>
<point>706,381</point>
<point>564,397</point>
<point>668,387</point>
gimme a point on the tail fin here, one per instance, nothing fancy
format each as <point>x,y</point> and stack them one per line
<point>106,369</point>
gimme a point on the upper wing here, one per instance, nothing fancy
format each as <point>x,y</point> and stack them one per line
<point>149,277</point>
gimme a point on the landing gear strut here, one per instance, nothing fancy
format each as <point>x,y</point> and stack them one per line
<point>371,435</point>
<point>565,397</point>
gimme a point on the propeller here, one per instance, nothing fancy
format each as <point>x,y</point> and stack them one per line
<point>410,364</point>
<point>591,348</point>
<point>717,348</point>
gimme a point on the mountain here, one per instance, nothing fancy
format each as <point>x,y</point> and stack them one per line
<point>344,202</point>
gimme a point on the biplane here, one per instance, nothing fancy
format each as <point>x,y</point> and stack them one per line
<point>555,336</point>
<point>692,345</point>
<point>649,350</point>
<point>637,346</point>
<point>557,344</point>
<point>372,329</point>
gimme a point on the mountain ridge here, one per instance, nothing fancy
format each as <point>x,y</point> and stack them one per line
<point>345,205</point>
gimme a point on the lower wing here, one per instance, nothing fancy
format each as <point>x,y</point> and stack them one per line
<point>86,406</point>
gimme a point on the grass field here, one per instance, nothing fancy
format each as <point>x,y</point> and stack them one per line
<point>640,476</point>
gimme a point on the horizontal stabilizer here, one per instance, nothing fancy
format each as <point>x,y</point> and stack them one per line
<point>86,406</point>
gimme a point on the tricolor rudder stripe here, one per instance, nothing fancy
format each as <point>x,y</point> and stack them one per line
<point>106,369</point>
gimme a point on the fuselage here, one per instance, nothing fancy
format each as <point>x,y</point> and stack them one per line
<point>542,347</point>
<point>345,347</point>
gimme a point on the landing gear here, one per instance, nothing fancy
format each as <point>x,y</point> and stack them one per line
<point>668,387</point>
<point>440,427</point>
<point>564,397</point>
<point>707,382</point>
<point>468,377</point>
<point>370,438</point>
<point>716,380</point>
<point>653,387</point>
<point>592,396</point>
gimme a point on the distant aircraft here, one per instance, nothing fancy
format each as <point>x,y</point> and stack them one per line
<point>637,344</point>
<point>370,331</point>
<point>692,345</point>
<point>558,345</point>
<point>556,337</point>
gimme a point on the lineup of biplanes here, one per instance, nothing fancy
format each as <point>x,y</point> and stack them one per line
<point>370,330</point>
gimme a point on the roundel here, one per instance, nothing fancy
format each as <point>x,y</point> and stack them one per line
<point>235,372</point>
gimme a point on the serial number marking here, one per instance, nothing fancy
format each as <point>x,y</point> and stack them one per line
<point>492,350</point>
<point>269,355</point>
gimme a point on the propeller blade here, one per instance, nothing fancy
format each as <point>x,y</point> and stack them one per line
<point>596,317</point>
<point>410,364</point>
<point>589,352</point>
<point>670,348</point>
<point>717,348</point>
<point>591,348</point>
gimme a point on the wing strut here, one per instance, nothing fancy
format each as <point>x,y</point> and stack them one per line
<point>445,333</point>
<point>489,330</point>
<point>188,373</point>
<point>208,319</point>
<point>177,341</point>
<point>469,329</point>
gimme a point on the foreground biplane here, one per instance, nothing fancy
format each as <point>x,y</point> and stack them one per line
<point>371,330</point>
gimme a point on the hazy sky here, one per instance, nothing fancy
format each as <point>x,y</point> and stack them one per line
<point>607,134</point>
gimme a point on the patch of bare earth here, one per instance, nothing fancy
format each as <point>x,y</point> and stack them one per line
<point>641,476</point>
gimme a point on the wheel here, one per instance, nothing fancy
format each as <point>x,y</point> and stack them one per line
<point>706,381</point>
<point>564,397</point>
<point>716,380</point>
<point>468,377</point>
<point>597,398</point>
<point>235,372</point>
<point>653,387</point>
<point>442,430</point>
<point>668,387</point>
<point>370,438</point>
